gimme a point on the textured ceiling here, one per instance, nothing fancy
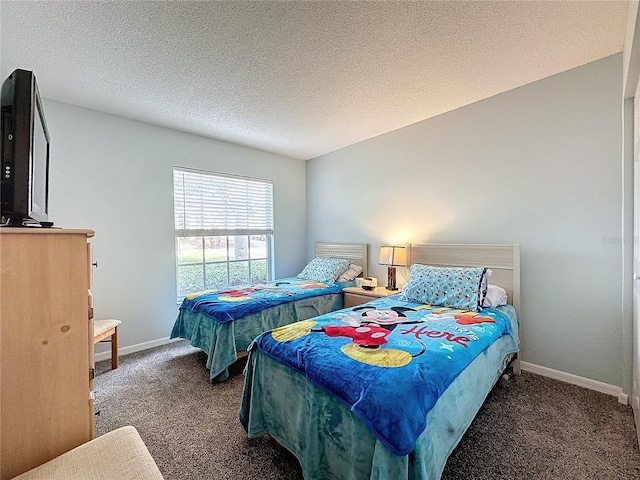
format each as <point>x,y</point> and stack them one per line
<point>297,78</point>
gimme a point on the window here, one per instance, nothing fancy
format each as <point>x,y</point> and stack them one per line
<point>224,230</point>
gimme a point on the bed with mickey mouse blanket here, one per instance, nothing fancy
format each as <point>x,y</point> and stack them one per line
<point>387,389</point>
<point>223,322</point>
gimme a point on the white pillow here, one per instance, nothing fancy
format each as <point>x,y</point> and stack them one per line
<point>495,297</point>
<point>350,273</point>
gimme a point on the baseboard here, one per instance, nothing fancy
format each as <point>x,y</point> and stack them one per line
<point>135,348</point>
<point>576,380</point>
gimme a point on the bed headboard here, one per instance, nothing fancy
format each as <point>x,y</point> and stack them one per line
<point>355,252</point>
<point>503,260</point>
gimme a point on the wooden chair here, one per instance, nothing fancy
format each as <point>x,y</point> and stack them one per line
<point>103,329</point>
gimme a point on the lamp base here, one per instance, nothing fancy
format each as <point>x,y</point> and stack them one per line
<point>391,279</point>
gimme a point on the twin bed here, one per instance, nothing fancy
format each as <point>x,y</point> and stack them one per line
<point>224,322</point>
<point>332,389</point>
<point>383,390</point>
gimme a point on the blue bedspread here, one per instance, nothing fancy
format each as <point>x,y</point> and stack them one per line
<point>388,360</point>
<point>228,304</point>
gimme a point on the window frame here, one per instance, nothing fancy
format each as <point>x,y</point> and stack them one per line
<point>203,233</point>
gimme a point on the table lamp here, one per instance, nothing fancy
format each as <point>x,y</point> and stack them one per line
<point>393,257</point>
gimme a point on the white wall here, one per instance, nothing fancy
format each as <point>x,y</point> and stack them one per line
<point>631,74</point>
<point>541,166</point>
<point>114,175</point>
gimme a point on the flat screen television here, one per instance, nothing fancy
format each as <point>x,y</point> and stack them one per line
<point>24,189</point>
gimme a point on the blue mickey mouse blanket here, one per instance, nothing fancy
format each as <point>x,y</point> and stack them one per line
<point>228,304</point>
<point>388,360</point>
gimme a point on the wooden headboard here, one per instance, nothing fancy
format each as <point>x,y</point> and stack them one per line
<point>355,252</point>
<point>503,260</point>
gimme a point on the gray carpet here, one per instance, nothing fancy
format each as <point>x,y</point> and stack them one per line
<point>530,427</point>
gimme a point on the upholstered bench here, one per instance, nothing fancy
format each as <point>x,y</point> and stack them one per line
<point>107,328</point>
<point>119,455</point>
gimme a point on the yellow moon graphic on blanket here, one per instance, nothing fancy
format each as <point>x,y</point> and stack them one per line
<point>193,295</point>
<point>293,331</point>
<point>234,299</point>
<point>378,357</point>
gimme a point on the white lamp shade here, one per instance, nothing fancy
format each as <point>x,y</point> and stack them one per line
<point>393,256</point>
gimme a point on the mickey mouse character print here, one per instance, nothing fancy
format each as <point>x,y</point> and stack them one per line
<point>368,333</point>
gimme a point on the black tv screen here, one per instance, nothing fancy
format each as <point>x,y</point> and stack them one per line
<point>25,152</point>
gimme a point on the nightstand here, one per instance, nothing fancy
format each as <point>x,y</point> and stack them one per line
<point>356,295</point>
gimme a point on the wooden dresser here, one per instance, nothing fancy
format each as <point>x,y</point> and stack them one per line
<point>46,345</point>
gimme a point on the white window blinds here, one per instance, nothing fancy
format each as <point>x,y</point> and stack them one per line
<point>215,204</point>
